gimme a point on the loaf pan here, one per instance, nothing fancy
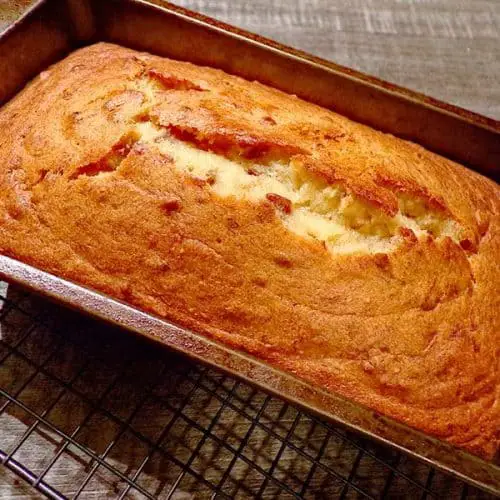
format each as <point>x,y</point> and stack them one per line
<point>53,28</point>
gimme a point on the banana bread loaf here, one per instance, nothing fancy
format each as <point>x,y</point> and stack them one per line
<point>353,259</point>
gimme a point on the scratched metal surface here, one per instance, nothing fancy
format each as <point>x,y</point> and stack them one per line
<point>446,48</point>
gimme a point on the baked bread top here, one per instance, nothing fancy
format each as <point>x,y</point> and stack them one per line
<point>358,261</point>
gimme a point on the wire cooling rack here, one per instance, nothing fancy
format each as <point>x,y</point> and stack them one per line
<point>89,411</point>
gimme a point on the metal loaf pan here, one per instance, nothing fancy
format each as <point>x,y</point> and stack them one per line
<point>52,28</point>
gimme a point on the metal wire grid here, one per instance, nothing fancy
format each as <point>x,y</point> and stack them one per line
<point>88,411</point>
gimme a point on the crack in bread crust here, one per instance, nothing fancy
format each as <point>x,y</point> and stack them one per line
<point>353,259</point>
<point>315,209</point>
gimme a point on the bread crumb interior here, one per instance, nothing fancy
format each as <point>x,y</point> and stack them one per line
<point>319,211</point>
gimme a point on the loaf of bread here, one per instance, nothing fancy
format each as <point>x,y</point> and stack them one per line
<point>350,258</point>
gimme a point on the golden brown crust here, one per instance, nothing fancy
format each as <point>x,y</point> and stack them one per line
<point>413,333</point>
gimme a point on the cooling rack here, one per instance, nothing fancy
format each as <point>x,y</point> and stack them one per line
<point>90,411</point>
